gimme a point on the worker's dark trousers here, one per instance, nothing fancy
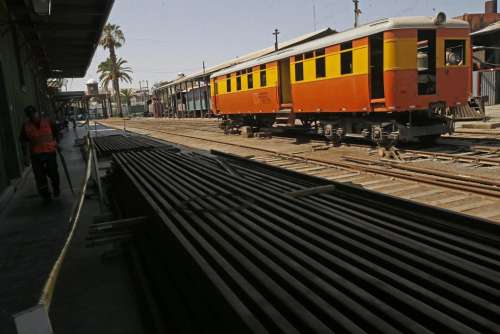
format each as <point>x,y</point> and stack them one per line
<point>45,165</point>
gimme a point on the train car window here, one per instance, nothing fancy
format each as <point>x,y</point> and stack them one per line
<point>454,52</point>
<point>320,63</point>
<point>346,62</point>
<point>216,87</point>
<point>320,52</point>
<point>250,79</point>
<point>309,55</point>
<point>228,83</point>
<point>299,58</point>
<point>263,76</point>
<point>299,71</point>
<point>238,82</point>
<point>346,58</point>
<point>346,46</point>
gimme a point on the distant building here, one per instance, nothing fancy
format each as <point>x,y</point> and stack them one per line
<point>479,21</point>
<point>485,38</point>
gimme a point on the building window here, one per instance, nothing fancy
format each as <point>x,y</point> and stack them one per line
<point>346,58</point>
<point>250,78</point>
<point>228,83</point>
<point>454,52</point>
<point>263,76</point>
<point>238,80</point>
<point>320,63</point>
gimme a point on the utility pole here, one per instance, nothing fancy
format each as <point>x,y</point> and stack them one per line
<point>357,12</point>
<point>145,93</point>
<point>276,33</point>
<point>314,16</point>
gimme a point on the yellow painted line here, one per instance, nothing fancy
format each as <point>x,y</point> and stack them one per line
<point>48,289</point>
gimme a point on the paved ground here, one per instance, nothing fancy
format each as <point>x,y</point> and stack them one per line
<point>90,296</point>
<point>31,236</point>
<point>94,292</point>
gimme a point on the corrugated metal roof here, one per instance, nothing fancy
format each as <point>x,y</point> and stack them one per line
<point>249,56</point>
<point>348,35</point>
<point>494,27</point>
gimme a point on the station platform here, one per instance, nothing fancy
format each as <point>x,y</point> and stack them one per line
<point>89,293</point>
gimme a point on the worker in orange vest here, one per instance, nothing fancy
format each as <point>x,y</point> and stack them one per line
<point>42,136</point>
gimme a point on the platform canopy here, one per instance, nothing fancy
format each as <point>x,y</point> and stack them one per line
<point>63,35</point>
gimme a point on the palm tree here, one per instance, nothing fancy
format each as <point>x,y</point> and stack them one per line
<point>127,94</point>
<point>112,38</point>
<point>108,75</point>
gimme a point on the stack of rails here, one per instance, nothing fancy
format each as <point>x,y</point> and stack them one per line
<point>107,145</point>
<point>240,247</point>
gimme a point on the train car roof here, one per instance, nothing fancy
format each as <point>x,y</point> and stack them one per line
<point>416,22</point>
<point>252,55</point>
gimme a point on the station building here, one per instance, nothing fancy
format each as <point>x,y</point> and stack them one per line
<point>40,40</point>
<point>485,38</point>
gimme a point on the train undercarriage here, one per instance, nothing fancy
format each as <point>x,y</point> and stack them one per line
<point>380,128</point>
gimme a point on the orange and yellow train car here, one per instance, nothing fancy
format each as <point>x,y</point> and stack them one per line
<point>391,79</point>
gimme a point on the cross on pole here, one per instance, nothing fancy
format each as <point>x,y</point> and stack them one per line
<point>276,33</point>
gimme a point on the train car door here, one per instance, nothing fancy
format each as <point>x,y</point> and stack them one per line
<point>426,62</point>
<point>377,66</point>
<point>216,93</point>
<point>285,83</point>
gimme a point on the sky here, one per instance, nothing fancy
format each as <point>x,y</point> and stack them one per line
<point>166,37</point>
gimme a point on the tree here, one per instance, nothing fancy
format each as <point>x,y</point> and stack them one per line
<point>127,94</point>
<point>107,75</point>
<point>112,38</point>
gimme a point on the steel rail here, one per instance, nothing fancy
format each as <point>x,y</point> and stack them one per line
<point>306,320</point>
<point>475,181</point>
<point>251,323</point>
<point>454,157</point>
<point>394,223</point>
<point>312,206</point>
<point>166,177</point>
<point>365,256</point>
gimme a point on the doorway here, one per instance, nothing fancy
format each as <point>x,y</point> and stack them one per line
<point>377,66</point>
<point>8,145</point>
<point>426,62</point>
<point>285,83</point>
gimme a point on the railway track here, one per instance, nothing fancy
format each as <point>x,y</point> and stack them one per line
<point>461,193</point>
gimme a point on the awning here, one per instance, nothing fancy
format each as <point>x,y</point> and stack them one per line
<point>63,42</point>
